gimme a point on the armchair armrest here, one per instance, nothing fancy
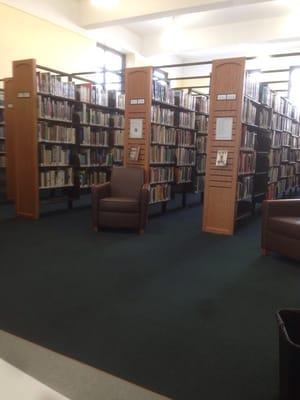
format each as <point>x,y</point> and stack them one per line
<point>144,203</point>
<point>277,208</point>
<point>281,208</point>
<point>98,192</point>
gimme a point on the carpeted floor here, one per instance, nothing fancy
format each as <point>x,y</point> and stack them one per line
<point>186,314</point>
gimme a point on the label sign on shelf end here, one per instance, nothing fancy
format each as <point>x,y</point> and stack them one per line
<point>226,96</point>
<point>23,95</point>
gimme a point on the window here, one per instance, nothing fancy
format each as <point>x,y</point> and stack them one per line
<point>294,86</point>
<point>111,68</point>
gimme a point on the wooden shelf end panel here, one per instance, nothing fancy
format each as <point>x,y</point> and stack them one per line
<point>26,144</point>
<point>227,90</point>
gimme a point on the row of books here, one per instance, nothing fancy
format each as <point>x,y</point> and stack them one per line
<point>185,138</point>
<point>161,192</point>
<point>118,154</point>
<point>163,135</point>
<point>162,154</point>
<point>91,116</point>
<point>88,178</point>
<point>247,162</point>
<point>54,84</point>
<point>56,133</point>
<point>185,120</point>
<point>161,174</point>
<point>116,99</point>
<point>245,188</point>
<point>1,98</point>
<point>185,156</point>
<point>265,95</point>
<point>118,138</point>
<point>286,170</point>
<point>57,178</point>
<point>2,161</point>
<point>295,129</point>
<point>264,118</point>
<point>162,92</point>
<point>248,138</point>
<point>201,144</point>
<point>252,86</point>
<point>200,163</point>
<point>90,93</point>
<point>201,123</point>
<point>54,155</point>
<point>54,109</point>
<point>274,157</point>
<point>89,157</point>
<point>184,99</point>
<point>285,153</point>
<point>249,112</point>
<point>276,139</point>
<point>202,104</point>
<point>184,174</point>
<point>161,115</point>
<point>117,121</point>
<point>273,174</point>
<point>96,94</point>
<point>93,137</point>
<point>199,183</point>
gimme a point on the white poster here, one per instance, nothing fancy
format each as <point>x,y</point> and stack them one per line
<point>136,128</point>
<point>222,156</point>
<point>224,128</point>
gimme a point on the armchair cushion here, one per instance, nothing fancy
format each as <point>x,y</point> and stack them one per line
<point>119,205</point>
<point>127,182</point>
<point>286,226</point>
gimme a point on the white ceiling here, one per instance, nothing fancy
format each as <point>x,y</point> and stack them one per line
<point>212,18</point>
<point>223,28</point>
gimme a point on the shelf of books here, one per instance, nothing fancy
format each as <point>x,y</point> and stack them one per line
<point>160,133</point>
<point>202,112</point>
<point>253,146</point>
<point>2,148</point>
<point>285,153</point>
<point>66,130</point>
<point>238,145</point>
<point>100,133</point>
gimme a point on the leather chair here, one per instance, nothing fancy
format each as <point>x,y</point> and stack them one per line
<point>122,202</point>
<point>281,227</point>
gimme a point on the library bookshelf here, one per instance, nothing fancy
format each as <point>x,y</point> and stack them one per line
<point>202,114</point>
<point>160,133</point>
<point>63,126</point>
<point>10,139</point>
<point>3,179</point>
<point>261,142</point>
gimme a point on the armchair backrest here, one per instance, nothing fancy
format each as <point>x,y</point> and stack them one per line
<point>127,182</point>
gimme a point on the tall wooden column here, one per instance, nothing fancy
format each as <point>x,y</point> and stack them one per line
<point>138,89</point>
<point>10,139</point>
<point>226,100</point>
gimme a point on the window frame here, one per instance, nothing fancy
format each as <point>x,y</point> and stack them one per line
<point>123,65</point>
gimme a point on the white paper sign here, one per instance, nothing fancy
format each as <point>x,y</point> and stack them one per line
<point>136,128</point>
<point>224,128</point>
<point>222,156</point>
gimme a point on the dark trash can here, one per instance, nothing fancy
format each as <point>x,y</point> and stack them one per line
<point>289,354</point>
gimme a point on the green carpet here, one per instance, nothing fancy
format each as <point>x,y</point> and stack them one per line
<point>186,314</point>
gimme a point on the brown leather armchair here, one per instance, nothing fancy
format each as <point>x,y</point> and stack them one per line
<point>122,202</point>
<point>281,227</point>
